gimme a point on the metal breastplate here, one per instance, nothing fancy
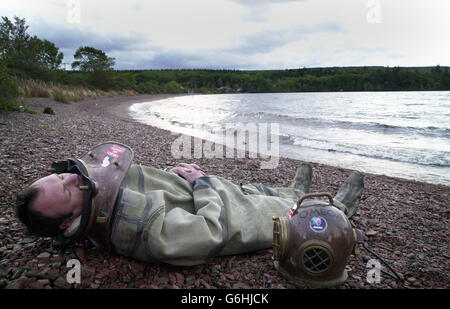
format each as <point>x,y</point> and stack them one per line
<point>103,169</point>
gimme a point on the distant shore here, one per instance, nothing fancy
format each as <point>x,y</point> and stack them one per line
<point>405,221</point>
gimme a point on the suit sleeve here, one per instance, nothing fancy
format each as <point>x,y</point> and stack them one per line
<point>191,238</point>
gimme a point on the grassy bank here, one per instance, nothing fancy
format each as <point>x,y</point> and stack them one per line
<point>62,93</point>
<point>27,88</point>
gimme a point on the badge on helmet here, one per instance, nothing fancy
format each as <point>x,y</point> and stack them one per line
<point>312,244</point>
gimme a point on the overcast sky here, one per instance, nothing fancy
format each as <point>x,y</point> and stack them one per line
<point>245,34</point>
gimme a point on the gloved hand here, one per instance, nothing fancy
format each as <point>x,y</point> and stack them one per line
<point>190,172</point>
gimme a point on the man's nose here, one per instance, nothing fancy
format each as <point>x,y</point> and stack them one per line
<point>70,179</point>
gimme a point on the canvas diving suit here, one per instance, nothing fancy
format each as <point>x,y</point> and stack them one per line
<point>160,216</point>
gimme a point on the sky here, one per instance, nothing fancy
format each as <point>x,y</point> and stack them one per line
<point>244,34</point>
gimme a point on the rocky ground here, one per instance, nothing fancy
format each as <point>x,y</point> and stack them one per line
<point>405,222</point>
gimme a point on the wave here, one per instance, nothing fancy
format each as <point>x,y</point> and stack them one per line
<point>435,158</point>
<point>344,124</point>
<point>316,122</point>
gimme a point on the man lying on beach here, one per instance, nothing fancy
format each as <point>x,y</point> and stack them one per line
<point>179,216</point>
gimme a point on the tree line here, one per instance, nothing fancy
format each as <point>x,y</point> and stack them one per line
<point>297,80</point>
<point>23,56</point>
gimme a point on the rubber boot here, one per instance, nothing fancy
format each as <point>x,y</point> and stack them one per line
<point>350,192</point>
<point>302,180</point>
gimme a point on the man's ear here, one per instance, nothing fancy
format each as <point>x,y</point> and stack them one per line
<point>66,223</point>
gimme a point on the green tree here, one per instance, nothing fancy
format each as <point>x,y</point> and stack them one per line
<point>124,81</point>
<point>445,81</point>
<point>48,55</point>
<point>172,87</point>
<point>23,52</point>
<point>89,59</point>
<point>150,87</point>
<point>8,90</point>
<point>98,65</point>
<point>103,80</point>
<point>14,41</point>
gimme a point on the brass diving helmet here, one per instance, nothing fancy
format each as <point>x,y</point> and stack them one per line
<point>312,244</point>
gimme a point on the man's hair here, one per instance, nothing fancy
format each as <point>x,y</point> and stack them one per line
<point>35,223</point>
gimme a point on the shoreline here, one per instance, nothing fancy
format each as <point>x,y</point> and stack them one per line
<point>121,110</point>
<point>405,221</point>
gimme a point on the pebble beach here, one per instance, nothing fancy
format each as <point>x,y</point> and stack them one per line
<point>405,222</point>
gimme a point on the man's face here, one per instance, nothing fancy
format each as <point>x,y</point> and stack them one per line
<point>60,195</point>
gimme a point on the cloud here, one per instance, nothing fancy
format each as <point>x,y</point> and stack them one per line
<point>207,59</point>
<point>257,9</point>
<point>244,54</point>
<point>396,56</point>
<point>262,2</point>
<point>136,50</point>
<point>243,34</point>
<point>241,55</point>
<point>172,60</point>
<point>270,40</point>
<point>71,38</point>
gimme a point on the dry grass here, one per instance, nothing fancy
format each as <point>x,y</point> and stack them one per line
<point>62,93</point>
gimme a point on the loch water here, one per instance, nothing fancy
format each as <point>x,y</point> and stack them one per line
<point>400,134</point>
